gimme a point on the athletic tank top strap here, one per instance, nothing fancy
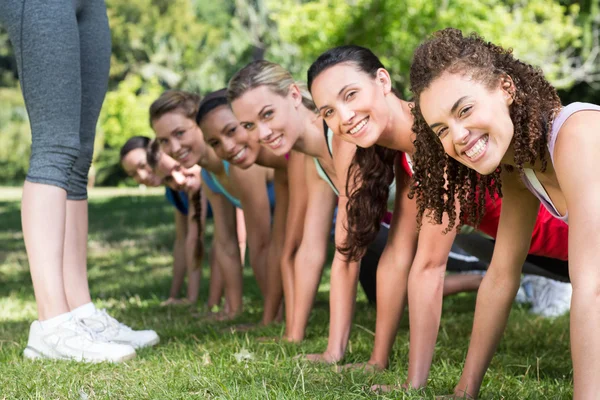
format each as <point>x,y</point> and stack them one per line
<point>562,117</point>
<point>215,186</point>
<point>530,179</point>
<point>324,176</point>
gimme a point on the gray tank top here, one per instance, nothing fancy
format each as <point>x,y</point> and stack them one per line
<point>326,178</point>
<point>529,178</point>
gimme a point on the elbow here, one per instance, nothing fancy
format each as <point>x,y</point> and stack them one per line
<point>430,267</point>
<point>309,259</point>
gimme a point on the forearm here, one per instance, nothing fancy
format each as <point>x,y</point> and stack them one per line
<point>308,266</point>
<point>274,283</point>
<point>193,249</point>
<point>492,309</point>
<point>178,267</point>
<point>228,260</point>
<point>392,278</point>
<point>259,256</point>
<point>425,291</point>
<point>342,299</point>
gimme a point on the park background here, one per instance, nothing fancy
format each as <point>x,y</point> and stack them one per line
<point>197,45</point>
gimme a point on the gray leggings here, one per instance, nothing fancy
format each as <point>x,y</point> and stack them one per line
<point>62,49</point>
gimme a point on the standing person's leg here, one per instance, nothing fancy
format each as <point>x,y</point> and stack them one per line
<point>46,42</point>
<point>94,39</point>
<point>40,41</point>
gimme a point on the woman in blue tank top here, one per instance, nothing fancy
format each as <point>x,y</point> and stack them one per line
<point>483,117</point>
<point>233,144</point>
<point>187,249</point>
<point>172,117</point>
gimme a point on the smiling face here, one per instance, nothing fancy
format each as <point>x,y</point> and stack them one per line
<point>179,137</point>
<point>223,132</point>
<point>135,164</point>
<point>176,176</point>
<point>471,120</point>
<point>353,103</point>
<point>271,118</point>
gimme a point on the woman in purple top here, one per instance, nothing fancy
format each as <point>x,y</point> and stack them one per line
<point>486,121</point>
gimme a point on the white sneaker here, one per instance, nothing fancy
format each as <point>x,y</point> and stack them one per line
<point>112,330</point>
<point>525,293</point>
<point>550,298</point>
<point>71,340</point>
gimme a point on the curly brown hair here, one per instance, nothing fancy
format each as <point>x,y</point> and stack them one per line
<point>440,181</point>
<point>372,169</point>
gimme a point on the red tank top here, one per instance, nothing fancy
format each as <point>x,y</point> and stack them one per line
<point>550,236</point>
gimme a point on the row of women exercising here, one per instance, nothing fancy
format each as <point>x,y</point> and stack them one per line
<point>451,180</point>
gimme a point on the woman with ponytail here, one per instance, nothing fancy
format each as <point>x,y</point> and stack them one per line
<point>353,93</point>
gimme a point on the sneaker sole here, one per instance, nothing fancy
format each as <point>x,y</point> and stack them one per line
<point>33,354</point>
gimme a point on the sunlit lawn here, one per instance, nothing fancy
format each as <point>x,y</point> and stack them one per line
<point>129,271</point>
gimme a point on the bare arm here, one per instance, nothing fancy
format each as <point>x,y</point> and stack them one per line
<point>178,255</point>
<point>274,279</point>
<point>425,294</point>
<point>344,274</point>
<point>294,228</point>
<point>252,189</point>
<point>194,253</point>
<point>311,255</point>
<point>392,271</point>
<point>227,251</point>
<point>576,159</point>
<point>500,284</point>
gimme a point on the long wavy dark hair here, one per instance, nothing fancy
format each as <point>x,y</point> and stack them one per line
<point>372,169</point>
<point>535,101</point>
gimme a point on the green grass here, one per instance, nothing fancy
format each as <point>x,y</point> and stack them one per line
<point>129,271</point>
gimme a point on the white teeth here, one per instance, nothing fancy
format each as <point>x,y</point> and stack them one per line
<point>239,154</point>
<point>183,155</point>
<point>478,148</point>
<point>275,143</point>
<point>359,126</point>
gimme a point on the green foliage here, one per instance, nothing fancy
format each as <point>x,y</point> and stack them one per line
<point>198,45</point>
<point>125,110</point>
<point>15,136</point>
<point>537,30</point>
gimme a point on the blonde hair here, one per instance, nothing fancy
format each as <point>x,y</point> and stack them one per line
<point>266,73</point>
<point>175,100</point>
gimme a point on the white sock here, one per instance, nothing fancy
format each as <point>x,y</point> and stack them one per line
<point>53,322</point>
<point>84,311</point>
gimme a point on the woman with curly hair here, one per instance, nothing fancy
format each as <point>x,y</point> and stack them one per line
<point>277,110</point>
<point>354,94</point>
<point>488,122</point>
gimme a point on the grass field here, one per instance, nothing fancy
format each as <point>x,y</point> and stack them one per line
<point>129,270</point>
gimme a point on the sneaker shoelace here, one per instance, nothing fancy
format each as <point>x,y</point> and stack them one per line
<point>112,322</point>
<point>84,330</point>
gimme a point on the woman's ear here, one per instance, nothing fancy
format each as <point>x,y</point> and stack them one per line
<point>384,80</point>
<point>509,90</point>
<point>296,94</point>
